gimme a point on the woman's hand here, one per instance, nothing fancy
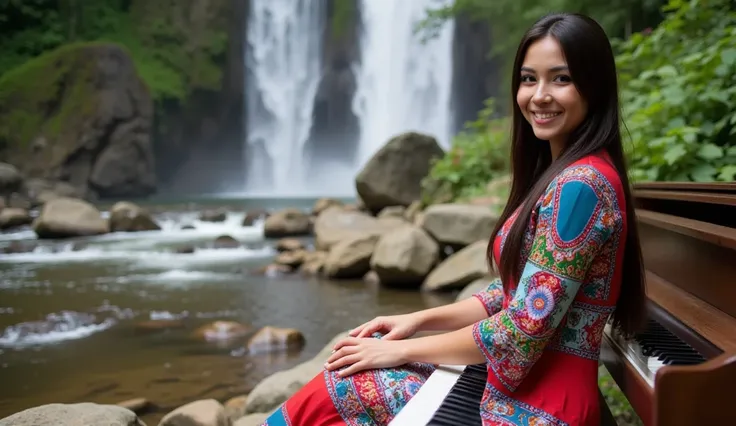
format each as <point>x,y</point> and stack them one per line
<point>394,327</point>
<point>364,354</point>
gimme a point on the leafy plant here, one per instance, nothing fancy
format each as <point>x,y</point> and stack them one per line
<point>679,94</point>
<point>478,154</point>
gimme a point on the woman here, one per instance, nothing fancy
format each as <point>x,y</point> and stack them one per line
<point>568,257</point>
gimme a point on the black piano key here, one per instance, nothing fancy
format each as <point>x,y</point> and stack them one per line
<point>658,342</point>
<point>461,406</point>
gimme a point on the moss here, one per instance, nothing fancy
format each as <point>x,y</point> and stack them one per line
<point>46,95</point>
<point>343,15</point>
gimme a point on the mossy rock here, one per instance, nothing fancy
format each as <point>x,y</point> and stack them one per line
<point>80,114</point>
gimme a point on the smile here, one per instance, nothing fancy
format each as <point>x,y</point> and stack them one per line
<point>546,115</point>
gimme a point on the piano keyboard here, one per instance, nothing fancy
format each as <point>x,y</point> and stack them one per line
<point>654,348</point>
<point>462,405</point>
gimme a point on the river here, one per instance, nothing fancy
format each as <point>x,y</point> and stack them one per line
<point>88,300</point>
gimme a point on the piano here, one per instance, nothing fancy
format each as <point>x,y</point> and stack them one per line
<point>680,369</point>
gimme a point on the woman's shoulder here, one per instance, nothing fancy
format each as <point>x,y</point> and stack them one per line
<point>597,174</point>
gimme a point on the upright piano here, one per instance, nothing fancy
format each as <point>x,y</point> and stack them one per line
<point>680,370</point>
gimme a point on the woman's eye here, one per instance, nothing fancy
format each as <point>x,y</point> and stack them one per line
<point>527,78</point>
<point>563,79</point>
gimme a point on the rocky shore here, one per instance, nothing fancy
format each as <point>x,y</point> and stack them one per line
<point>388,238</point>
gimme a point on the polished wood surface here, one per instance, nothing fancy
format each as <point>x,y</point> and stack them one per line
<point>688,240</point>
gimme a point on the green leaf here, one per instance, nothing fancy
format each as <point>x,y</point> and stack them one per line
<point>728,173</point>
<point>703,173</point>
<point>710,152</point>
<point>674,153</point>
<point>728,56</point>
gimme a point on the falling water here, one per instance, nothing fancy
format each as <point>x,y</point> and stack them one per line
<point>283,61</point>
<point>404,83</point>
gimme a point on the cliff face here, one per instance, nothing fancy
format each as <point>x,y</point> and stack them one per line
<point>80,114</point>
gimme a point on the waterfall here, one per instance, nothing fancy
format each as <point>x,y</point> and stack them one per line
<point>403,83</point>
<point>283,69</point>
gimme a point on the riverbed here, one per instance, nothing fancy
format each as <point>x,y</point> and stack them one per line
<point>90,302</point>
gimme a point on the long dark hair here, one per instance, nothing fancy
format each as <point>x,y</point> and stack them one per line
<point>592,67</point>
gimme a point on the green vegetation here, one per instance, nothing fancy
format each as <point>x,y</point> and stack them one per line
<point>343,17</point>
<point>176,52</point>
<point>678,90</point>
<point>27,93</point>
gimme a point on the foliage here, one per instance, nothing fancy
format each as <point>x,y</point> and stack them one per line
<point>174,53</point>
<point>679,94</point>
<point>478,154</point>
<point>31,93</point>
<point>620,407</point>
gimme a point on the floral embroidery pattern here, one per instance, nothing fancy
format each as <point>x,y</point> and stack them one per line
<point>563,249</point>
<point>279,418</point>
<point>374,397</point>
<point>492,296</point>
<point>506,411</point>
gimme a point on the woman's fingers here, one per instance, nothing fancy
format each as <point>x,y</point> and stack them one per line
<point>341,352</point>
<point>370,329</point>
<point>355,368</point>
<point>342,362</point>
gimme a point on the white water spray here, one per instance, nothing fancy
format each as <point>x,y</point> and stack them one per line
<point>283,63</point>
<point>404,83</point>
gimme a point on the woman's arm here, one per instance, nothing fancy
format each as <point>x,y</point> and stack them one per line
<point>463,312</point>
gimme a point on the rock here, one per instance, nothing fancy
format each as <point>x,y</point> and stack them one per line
<point>158,325</point>
<point>136,405</point>
<point>273,270</point>
<point>68,217</point>
<point>254,215</point>
<point>460,269</point>
<point>274,339</point>
<point>323,204</point>
<point>336,224</point>
<point>129,217</point>
<point>82,414</point>
<point>41,191</point>
<point>292,259</point>
<point>97,131</point>
<point>350,258</point>
<point>235,407</point>
<point>221,330</point>
<point>458,224</point>
<point>474,287</point>
<point>289,244</point>
<point>207,412</point>
<point>392,177</point>
<point>225,242</point>
<point>287,223</point>
<point>13,217</point>
<point>19,201</point>
<point>272,391</point>
<point>256,419</point>
<point>314,262</point>
<point>10,179</point>
<point>412,211</point>
<point>392,211</point>
<point>404,257</point>
<point>219,215</point>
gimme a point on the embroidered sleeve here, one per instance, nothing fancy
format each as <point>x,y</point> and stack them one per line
<point>491,297</point>
<point>576,216</point>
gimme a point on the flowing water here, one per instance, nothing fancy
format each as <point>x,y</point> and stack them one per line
<point>75,316</point>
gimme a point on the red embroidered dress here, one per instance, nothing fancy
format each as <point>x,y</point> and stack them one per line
<point>541,343</point>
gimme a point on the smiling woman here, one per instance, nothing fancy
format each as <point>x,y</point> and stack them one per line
<point>568,258</point>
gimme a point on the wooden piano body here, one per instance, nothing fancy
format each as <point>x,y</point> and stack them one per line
<point>688,237</point>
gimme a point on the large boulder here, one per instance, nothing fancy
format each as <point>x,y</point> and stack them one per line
<point>460,269</point>
<point>10,178</point>
<point>80,114</point>
<point>350,258</point>
<point>286,223</point>
<point>404,257</point>
<point>458,224</point>
<point>68,217</point>
<point>393,176</point>
<point>129,217</point>
<point>337,224</point>
<point>81,414</point>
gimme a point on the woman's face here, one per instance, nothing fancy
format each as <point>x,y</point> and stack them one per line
<point>547,97</point>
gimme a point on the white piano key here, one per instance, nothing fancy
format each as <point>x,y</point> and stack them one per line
<point>421,408</point>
